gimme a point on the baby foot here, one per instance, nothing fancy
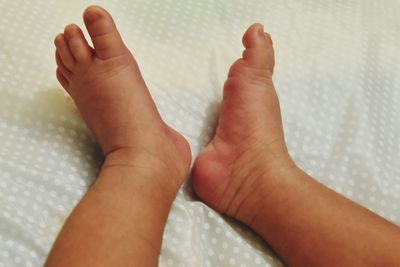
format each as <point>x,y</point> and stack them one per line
<point>108,89</point>
<point>248,147</point>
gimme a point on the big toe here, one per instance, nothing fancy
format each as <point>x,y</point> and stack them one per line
<point>259,52</point>
<point>106,39</point>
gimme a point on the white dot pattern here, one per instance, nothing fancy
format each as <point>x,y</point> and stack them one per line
<point>337,76</point>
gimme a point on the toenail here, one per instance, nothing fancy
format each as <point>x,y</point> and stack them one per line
<point>71,32</point>
<point>92,16</point>
<point>58,40</point>
<point>260,29</point>
<point>70,28</point>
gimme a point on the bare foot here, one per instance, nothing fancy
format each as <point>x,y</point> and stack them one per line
<point>249,140</point>
<point>108,89</point>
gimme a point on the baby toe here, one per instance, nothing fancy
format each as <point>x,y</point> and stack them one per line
<point>64,51</point>
<point>80,49</point>
<point>60,65</point>
<point>259,52</point>
<point>61,78</point>
<point>106,40</point>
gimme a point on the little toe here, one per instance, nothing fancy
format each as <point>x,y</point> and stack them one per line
<point>106,40</point>
<point>64,51</point>
<point>259,52</point>
<point>61,78</point>
<point>77,43</point>
<point>60,65</point>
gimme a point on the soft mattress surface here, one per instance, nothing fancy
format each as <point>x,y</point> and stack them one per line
<point>337,76</point>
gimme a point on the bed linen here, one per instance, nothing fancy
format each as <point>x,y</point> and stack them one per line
<point>337,75</point>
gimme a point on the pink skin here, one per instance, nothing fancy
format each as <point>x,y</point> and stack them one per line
<point>225,174</point>
<point>120,220</point>
<point>245,171</point>
<point>110,93</point>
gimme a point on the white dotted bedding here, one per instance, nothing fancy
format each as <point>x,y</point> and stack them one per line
<point>337,76</point>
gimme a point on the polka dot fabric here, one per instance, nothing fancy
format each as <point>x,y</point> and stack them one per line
<point>337,76</point>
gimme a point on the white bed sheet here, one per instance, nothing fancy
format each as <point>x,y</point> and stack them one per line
<point>337,76</point>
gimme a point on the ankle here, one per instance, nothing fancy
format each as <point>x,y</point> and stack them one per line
<point>267,179</point>
<point>154,172</point>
